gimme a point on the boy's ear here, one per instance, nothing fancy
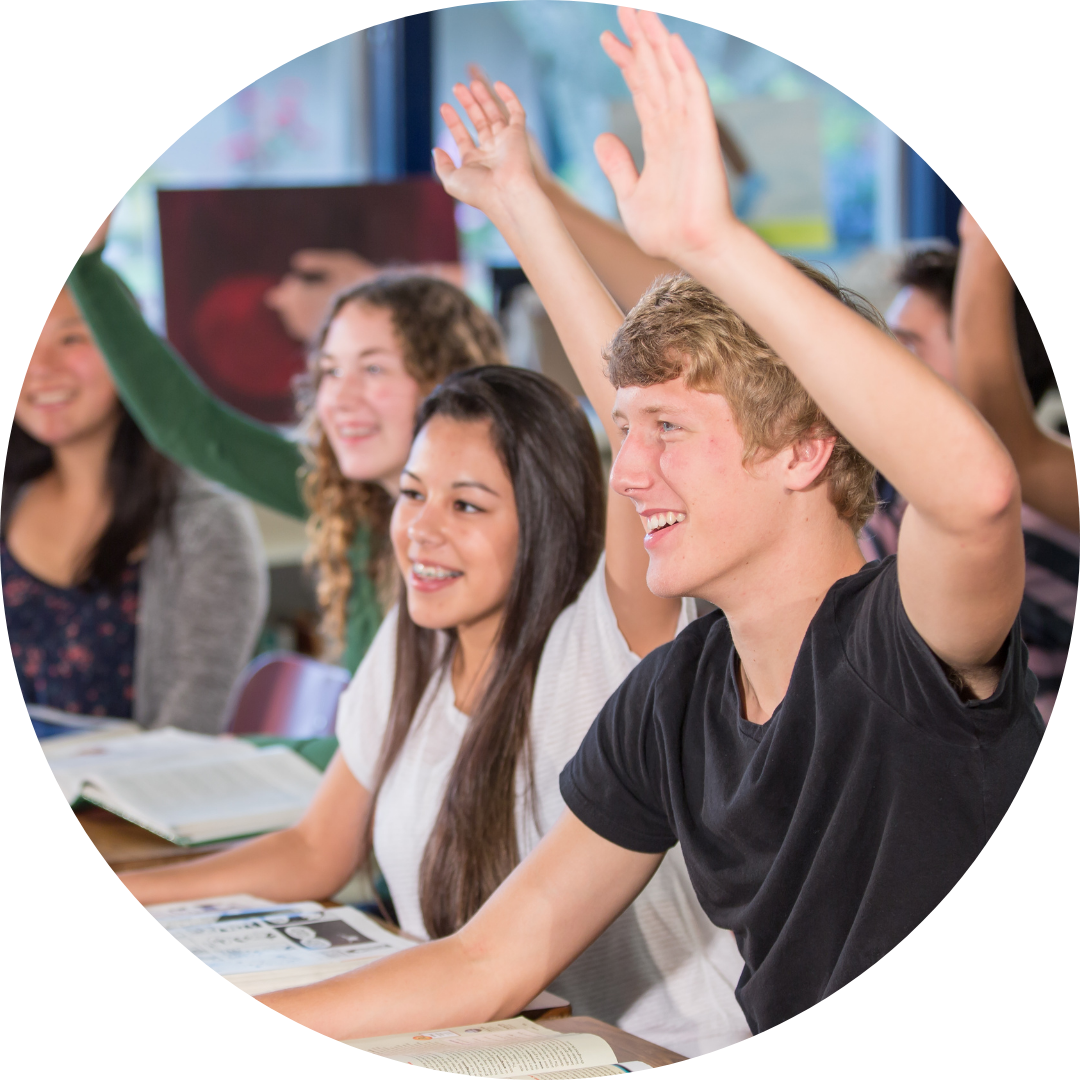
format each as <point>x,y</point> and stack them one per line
<point>805,459</point>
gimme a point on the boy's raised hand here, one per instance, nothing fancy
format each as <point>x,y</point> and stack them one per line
<point>679,205</point>
<point>497,163</point>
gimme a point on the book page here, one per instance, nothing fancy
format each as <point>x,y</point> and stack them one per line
<point>587,1071</point>
<point>515,1047</point>
<point>200,800</point>
<point>225,909</point>
<point>72,758</point>
<point>288,938</point>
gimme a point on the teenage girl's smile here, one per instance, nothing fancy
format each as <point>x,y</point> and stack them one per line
<point>366,399</point>
<point>455,526</point>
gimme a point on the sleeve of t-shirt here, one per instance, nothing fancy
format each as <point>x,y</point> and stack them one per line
<point>364,708</point>
<point>614,783</point>
<point>891,658</point>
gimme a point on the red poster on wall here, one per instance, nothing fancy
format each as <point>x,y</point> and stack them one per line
<point>249,272</point>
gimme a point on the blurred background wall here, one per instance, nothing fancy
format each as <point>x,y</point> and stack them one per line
<point>821,177</point>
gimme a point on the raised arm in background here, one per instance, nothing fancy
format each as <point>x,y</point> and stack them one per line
<point>961,557</point>
<point>989,373</point>
<point>496,176</point>
<point>174,410</point>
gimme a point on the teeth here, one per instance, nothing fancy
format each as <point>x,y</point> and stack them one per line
<point>355,432</point>
<point>52,397</point>
<point>433,573</point>
<point>661,521</point>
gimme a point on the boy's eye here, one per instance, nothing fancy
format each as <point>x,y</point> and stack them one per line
<point>667,425</point>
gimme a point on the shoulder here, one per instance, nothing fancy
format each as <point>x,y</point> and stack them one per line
<point>203,505</point>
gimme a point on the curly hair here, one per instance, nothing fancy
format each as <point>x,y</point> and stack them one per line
<point>681,329</point>
<point>441,331</point>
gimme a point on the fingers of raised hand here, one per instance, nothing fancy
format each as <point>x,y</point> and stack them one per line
<point>474,111</point>
<point>514,109</point>
<point>444,165</point>
<point>617,164</point>
<point>494,111</point>
<point>458,131</point>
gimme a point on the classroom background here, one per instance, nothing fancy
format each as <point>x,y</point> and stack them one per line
<point>822,178</point>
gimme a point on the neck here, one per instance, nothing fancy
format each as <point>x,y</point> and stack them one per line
<point>80,469</point>
<point>472,662</point>
<point>770,601</point>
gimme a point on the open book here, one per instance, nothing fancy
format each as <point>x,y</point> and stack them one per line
<point>514,1049</point>
<point>260,946</point>
<point>188,788</point>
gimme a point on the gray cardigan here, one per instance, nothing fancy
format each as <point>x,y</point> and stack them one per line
<point>203,593</point>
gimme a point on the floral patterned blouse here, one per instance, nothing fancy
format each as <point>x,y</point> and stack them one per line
<point>74,648</point>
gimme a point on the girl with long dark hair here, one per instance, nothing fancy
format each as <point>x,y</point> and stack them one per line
<point>131,588</point>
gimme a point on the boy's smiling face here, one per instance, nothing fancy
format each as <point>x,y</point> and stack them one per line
<point>681,461</point>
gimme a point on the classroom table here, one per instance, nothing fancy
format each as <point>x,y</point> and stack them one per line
<point>125,846</point>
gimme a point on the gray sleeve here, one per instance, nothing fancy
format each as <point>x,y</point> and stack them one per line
<point>205,602</point>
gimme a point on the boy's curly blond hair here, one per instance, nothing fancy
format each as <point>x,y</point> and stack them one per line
<point>679,329</point>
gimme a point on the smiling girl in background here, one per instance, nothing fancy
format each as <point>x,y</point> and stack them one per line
<point>131,588</point>
<point>385,344</point>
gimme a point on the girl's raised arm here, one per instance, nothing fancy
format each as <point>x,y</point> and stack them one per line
<point>497,177</point>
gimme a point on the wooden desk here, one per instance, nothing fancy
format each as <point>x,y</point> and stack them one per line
<point>125,846</point>
<point>627,1047</point>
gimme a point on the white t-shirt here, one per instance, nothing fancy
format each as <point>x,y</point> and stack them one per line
<point>662,970</point>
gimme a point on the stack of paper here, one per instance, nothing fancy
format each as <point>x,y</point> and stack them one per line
<point>260,946</point>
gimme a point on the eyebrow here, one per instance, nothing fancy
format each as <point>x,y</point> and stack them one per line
<point>456,483</point>
<point>650,410</point>
<point>324,355</point>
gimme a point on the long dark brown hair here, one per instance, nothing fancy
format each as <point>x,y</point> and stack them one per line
<point>142,482</point>
<point>544,441</point>
<point>441,331</point>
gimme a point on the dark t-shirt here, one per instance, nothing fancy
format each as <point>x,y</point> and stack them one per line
<point>824,836</point>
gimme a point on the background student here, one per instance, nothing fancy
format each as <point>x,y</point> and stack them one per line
<point>959,313</point>
<point>990,374</point>
<point>383,346</point>
<point>131,588</point>
<point>835,748</point>
<point>520,613</point>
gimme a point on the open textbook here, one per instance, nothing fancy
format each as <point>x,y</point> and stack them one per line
<point>260,946</point>
<point>515,1049</point>
<point>189,788</point>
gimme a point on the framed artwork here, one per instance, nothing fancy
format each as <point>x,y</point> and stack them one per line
<point>248,272</point>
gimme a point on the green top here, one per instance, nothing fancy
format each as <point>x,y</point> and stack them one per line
<point>190,425</point>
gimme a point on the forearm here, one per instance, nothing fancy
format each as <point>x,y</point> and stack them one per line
<point>439,984</point>
<point>173,409</point>
<point>626,271</point>
<point>990,373</point>
<point>280,866</point>
<point>915,429</point>
<point>583,313</point>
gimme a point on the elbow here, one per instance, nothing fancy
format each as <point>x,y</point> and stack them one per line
<point>997,493</point>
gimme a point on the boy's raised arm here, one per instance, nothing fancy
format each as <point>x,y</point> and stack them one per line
<point>961,563</point>
<point>496,176</point>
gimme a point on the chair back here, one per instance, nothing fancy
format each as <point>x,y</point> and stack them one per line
<point>284,693</point>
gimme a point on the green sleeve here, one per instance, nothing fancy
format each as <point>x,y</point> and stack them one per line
<point>363,614</point>
<point>174,410</point>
